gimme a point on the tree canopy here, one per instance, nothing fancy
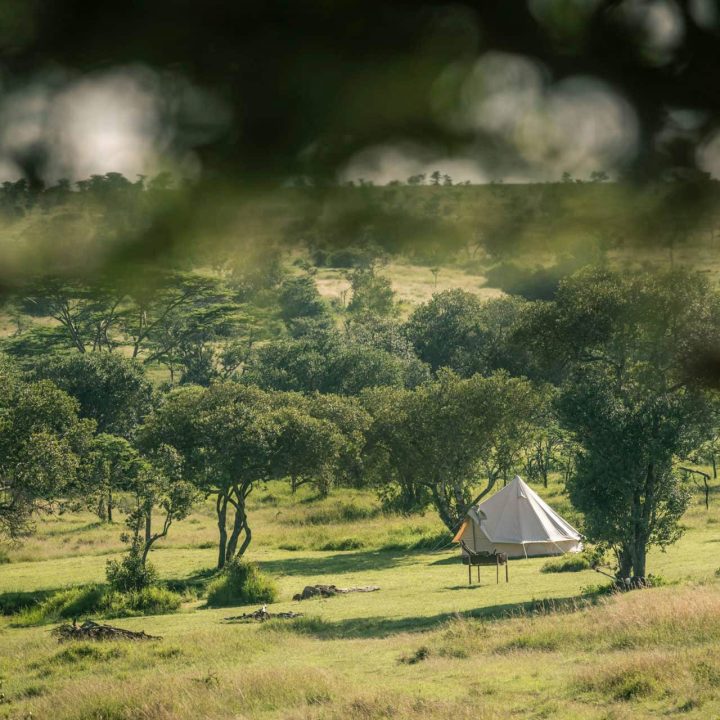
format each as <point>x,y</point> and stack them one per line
<point>44,446</point>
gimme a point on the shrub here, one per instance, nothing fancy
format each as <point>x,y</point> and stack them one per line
<point>130,574</point>
<point>241,583</point>
<point>422,653</point>
<point>567,563</point>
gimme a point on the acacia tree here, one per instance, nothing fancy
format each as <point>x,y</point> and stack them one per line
<point>627,343</point>
<point>445,324</point>
<point>351,422</point>
<point>371,293</point>
<point>307,449</point>
<point>321,439</point>
<point>42,445</point>
<point>111,389</point>
<point>157,486</point>
<point>550,442</point>
<point>114,465</point>
<point>389,451</point>
<point>453,435</point>
<point>226,435</point>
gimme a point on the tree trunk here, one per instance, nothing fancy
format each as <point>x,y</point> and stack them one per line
<point>148,526</point>
<point>221,507</point>
<point>624,563</point>
<point>714,466</point>
<point>490,485</point>
<point>110,505</point>
<point>239,524</point>
<point>443,508</point>
<point>246,541</point>
<point>639,558</point>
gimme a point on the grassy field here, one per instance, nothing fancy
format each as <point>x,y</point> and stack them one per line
<point>413,284</point>
<point>426,645</point>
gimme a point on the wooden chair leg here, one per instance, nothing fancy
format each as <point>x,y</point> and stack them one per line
<point>469,574</point>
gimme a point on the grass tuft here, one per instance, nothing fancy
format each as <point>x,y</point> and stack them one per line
<point>79,652</point>
<point>567,563</point>
<point>349,543</point>
<point>422,653</point>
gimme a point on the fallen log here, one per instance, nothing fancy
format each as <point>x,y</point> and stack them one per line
<point>311,591</point>
<point>262,615</point>
<point>90,630</point>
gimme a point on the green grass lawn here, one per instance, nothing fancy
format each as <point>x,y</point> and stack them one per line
<point>425,645</point>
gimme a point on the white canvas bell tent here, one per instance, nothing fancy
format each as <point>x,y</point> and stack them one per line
<point>516,521</point>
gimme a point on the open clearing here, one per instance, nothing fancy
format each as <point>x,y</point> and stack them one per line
<point>426,645</point>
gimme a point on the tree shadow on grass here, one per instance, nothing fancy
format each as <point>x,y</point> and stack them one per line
<point>346,562</point>
<point>381,627</point>
<point>73,529</point>
<point>474,586</point>
<point>12,603</point>
<point>192,583</point>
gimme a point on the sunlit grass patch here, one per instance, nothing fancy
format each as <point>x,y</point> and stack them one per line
<point>247,692</point>
<point>521,649</point>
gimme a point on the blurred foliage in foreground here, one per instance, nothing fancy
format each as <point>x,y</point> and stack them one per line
<point>107,228</point>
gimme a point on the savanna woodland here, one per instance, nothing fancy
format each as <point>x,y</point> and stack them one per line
<point>310,310</point>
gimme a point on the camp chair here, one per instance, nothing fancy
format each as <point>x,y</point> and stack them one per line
<point>474,559</point>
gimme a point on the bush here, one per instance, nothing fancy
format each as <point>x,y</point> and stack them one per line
<point>540,283</point>
<point>241,583</point>
<point>568,563</point>
<point>130,574</point>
